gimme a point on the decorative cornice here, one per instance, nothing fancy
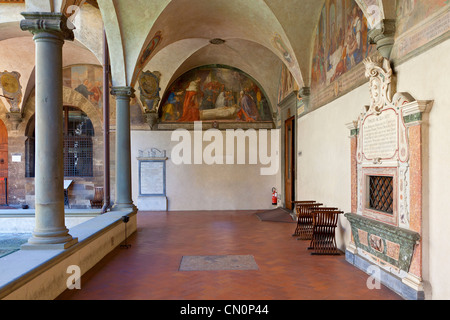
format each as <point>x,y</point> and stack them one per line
<point>304,92</point>
<point>353,127</point>
<point>413,112</point>
<point>50,22</point>
<point>123,92</point>
<point>289,100</point>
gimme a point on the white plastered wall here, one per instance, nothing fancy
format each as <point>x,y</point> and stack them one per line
<point>323,161</point>
<point>204,187</point>
<point>426,77</point>
<point>324,166</point>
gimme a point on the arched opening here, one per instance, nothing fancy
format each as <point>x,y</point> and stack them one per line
<point>78,145</point>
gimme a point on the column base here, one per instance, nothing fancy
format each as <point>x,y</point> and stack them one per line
<point>124,207</point>
<point>49,246</point>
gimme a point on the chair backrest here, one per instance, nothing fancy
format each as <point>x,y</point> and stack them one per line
<point>98,193</point>
<point>326,218</point>
<point>306,208</point>
<point>323,209</point>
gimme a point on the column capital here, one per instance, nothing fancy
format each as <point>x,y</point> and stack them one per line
<point>304,92</point>
<point>383,35</point>
<point>123,92</point>
<point>47,22</point>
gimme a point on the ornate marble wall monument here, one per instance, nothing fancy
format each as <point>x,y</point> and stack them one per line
<point>152,180</point>
<point>387,151</point>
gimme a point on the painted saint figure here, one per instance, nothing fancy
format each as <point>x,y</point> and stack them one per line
<point>84,89</point>
<point>191,106</point>
<point>248,111</point>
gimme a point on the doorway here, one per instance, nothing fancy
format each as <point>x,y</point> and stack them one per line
<point>289,173</point>
<point>3,164</point>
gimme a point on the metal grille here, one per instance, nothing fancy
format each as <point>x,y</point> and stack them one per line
<point>78,155</point>
<point>78,146</point>
<point>382,193</point>
<point>29,157</point>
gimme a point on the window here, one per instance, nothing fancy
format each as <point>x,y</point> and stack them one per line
<point>78,145</point>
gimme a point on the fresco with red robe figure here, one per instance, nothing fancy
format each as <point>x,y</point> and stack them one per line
<point>341,42</point>
<point>86,80</point>
<point>215,93</point>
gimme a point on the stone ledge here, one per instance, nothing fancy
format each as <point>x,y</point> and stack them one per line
<point>42,274</point>
<point>387,279</point>
<point>25,213</point>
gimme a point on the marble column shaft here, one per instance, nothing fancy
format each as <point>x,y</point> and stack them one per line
<point>123,197</point>
<point>49,35</point>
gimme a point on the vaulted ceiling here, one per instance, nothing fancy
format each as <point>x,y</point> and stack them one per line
<point>259,36</point>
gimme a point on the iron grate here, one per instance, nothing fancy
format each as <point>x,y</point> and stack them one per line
<point>382,193</point>
<point>78,155</point>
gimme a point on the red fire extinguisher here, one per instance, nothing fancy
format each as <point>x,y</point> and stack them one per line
<point>274,197</point>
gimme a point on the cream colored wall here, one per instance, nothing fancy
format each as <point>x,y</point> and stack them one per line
<point>324,167</point>
<point>204,187</point>
<point>426,77</point>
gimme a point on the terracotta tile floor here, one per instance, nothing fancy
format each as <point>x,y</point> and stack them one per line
<point>149,269</point>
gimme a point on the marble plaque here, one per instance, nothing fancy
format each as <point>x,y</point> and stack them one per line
<point>380,135</point>
<point>152,178</point>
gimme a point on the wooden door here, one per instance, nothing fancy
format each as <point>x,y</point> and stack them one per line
<point>3,163</point>
<point>290,162</point>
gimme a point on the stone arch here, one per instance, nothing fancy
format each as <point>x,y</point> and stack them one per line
<point>377,11</point>
<point>70,98</point>
<point>75,99</point>
<point>85,184</point>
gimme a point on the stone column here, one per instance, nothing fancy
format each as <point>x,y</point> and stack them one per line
<point>50,31</point>
<point>123,197</point>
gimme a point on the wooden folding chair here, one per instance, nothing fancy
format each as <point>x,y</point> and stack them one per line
<point>323,241</point>
<point>304,219</point>
<point>97,202</point>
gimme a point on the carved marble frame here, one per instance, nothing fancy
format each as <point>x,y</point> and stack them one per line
<point>385,217</point>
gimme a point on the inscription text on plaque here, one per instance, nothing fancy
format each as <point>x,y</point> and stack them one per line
<point>380,135</point>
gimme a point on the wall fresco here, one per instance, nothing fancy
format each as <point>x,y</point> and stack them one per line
<point>420,24</point>
<point>87,80</point>
<point>215,93</point>
<point>341,44</point>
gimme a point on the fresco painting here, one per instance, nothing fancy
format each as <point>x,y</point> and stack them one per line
<point>154,42</point>
<point>341,41</point>
<point>87,80</point>
<point>287,84</point>
<point>215,93</point>
<point>411,12</point>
